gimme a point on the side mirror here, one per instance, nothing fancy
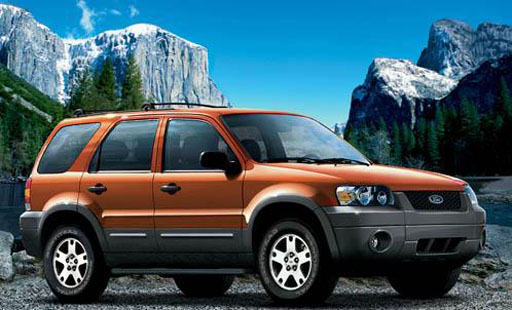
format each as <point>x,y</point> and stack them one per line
<point>219,160</point>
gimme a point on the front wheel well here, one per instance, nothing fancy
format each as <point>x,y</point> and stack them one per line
<point>276,212</point>
<point>69,218</point>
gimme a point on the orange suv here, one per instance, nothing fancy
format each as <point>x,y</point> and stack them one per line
<point>205,194</point>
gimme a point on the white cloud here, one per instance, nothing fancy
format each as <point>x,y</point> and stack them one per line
<point>87,21</point>
<point>133,11</point>
<point>115,12</point>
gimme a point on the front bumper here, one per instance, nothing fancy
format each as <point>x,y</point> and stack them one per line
<point>406,235</point>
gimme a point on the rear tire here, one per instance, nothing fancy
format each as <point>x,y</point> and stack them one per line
<point>425,283</point>
<point>292,266</point>
<point>204,285</point>
<point>73,267</point>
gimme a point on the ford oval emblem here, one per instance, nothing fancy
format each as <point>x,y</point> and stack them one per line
<point>436,199</point>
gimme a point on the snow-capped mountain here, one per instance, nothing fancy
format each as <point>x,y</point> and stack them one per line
<point>455,49</point>
<point>398,90</point>
<point>172,68</point>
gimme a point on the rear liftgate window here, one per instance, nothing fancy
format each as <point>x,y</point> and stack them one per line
<point>65,147</point>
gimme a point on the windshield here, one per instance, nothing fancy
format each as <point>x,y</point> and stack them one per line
<point>284,138</point>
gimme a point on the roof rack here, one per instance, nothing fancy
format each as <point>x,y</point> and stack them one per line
<point>145,107</point>
<point>151,105</point>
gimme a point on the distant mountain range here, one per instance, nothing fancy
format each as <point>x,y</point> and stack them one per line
<point>172,68</point>
<point>399,91</point>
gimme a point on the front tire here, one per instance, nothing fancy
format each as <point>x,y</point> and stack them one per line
<point>292,266</point>
<point>425,283</point>
<point>73,268</point>
<point>204,285</point>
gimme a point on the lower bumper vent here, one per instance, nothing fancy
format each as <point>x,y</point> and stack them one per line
<point>438,245</point>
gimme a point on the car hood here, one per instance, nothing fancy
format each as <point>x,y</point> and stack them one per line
<point>396,178</point>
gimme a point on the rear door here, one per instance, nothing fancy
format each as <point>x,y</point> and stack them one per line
<point>118,185</point>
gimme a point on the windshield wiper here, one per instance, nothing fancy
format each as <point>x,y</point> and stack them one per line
<point>305,160</point>
<point>310,160</point>
<point>342,160</point>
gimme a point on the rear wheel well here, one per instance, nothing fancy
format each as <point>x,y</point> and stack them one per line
<point>276,212</point>
<point>67,218</point>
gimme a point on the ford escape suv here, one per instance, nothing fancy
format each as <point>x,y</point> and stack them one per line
<point>202,195</point>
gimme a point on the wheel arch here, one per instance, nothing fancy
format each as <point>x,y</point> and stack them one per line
<point>72,214</point>
<point>278,207</point>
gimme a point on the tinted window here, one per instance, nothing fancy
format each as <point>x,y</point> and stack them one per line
<point>129,146</point>
<point>276,137</point>
<point>65,147</point>
<point>185,140</point>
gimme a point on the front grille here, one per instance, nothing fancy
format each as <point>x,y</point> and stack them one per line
<point>422,200</point>
<point>438,245</point>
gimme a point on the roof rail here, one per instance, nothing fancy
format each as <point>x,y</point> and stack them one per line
<point>151,105</point>
<point>145,107</point>
<point>82,112</point>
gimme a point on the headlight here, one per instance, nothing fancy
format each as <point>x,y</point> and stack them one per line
<point>364,196</point>
<point>471,194</point>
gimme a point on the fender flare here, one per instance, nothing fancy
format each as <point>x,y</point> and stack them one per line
<point>80,210</point>
<point>299,200</point>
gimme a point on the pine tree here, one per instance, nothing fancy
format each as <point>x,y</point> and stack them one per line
<point>132,95</point>
<point>85,95</point>
<point>5,154</point>
<point>396,144</point>
<point>504,109</point>
<point>441,132</point>
<point>420,133</point>
<point>15,124</point>
<point>106,84</point>
<point>469,121</point>
<point>408,140</point>
<point>350,136</point>
<point>504,100</point>
<point>382,125</point>
<point>470,134</point>
<point>440,123</point>
<point>433,147</point>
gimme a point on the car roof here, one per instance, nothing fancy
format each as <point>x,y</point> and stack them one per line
<point>213,112</point>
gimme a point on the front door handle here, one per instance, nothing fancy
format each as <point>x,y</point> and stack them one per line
<point>171,189</point>
<point>98,189</point>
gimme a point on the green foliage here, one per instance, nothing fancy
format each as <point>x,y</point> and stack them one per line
<point>396,144</point>
<point>433,154</point>
<point>22,131</point>
<point>85,94</point>
<point>456,139</point>
<point>132,96</point>
<point>106,85</point>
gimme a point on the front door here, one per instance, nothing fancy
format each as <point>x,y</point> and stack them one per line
<point>118,186</point>
<point>196,209</point>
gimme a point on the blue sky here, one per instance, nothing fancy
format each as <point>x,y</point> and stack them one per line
<point>301,56</point>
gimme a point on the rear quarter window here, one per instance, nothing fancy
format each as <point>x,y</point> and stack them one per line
<point>65,147</point>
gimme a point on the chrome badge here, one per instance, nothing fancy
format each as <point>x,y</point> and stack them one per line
<point>436,199</point>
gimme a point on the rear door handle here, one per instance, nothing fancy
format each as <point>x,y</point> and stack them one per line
<point>171,188</point>
<point>98,189</point>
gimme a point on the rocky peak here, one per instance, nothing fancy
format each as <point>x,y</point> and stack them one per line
<point>172,68</point>
<point>455,49</point>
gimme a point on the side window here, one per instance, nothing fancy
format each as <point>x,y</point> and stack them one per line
<point>185,140</point>
<point>65,147</point>
<point>252,141</point>
<point>128,147</point>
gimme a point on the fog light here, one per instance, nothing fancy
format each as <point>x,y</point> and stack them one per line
<point>380,241</point>
<point>374,242</point>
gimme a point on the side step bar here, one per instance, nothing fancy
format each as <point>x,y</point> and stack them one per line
<point>173,271</point>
